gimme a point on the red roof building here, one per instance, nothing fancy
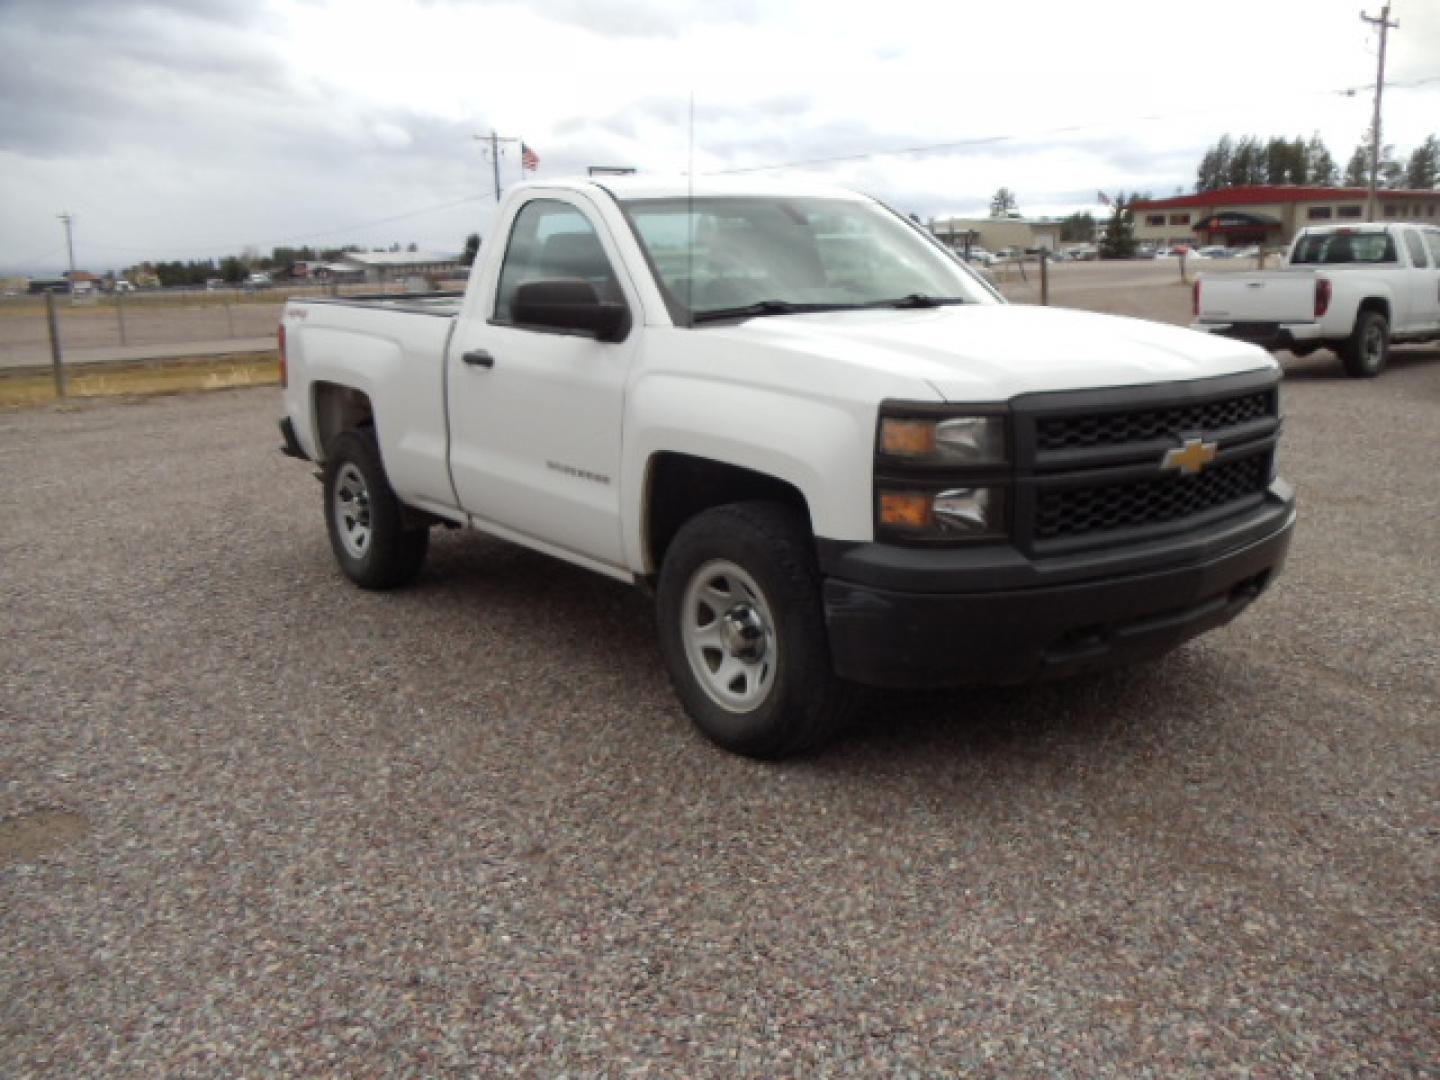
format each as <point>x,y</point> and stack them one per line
<point>1270,214</point>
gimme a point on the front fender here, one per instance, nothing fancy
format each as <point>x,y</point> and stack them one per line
<point>821,447</point>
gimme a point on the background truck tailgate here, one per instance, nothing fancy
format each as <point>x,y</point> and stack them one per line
<point>1276,297</point>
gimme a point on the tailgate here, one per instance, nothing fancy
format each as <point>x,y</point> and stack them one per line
<point>1283,297</point>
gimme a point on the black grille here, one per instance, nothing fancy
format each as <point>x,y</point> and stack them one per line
<point>1118,428</point>
<point>1070,512</point>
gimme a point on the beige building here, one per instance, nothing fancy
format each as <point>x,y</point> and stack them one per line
<point>1268,214</point>
<point>997,233</point>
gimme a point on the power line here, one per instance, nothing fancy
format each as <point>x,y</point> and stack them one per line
<point>959,144</point>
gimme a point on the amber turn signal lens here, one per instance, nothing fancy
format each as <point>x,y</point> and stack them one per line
<point>905,511</point>
<point>907,438</point>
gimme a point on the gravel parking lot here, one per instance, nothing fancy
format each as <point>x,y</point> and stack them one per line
<point>255,822</point>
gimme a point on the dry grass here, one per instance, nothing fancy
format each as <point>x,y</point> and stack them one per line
<point>30,386</point>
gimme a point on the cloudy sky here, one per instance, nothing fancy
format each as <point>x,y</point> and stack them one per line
<point>196,128</point>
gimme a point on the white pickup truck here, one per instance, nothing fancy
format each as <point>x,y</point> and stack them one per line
<point>834,453</point>
<point>1350,288</point>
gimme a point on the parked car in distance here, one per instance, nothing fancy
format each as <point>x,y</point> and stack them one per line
<point>258,281</point>
<point>978,255</point>
<point>121,285</point>
<point>1215,251</point>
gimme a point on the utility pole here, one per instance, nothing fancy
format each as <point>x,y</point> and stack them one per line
<point>495,141</point>
<point>67,218</point>
<point>1382,21</point>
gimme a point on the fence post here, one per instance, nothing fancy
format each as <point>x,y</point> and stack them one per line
<point>120,315</point>
<point>1044,277</point>
<point>229,320</point>
<point>55,363</point>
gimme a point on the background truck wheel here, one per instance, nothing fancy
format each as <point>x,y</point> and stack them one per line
<point>742,631</point>
<point>1368,347</point>
<point>363,516</point>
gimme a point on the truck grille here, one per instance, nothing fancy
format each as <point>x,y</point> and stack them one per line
<point>1071,512</point>
<point>1090,462</point>
<point>1118,428</point>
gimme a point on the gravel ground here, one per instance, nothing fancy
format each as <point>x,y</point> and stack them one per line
<point>256,822</point>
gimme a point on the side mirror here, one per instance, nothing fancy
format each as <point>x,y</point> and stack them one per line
<point>569,304</point>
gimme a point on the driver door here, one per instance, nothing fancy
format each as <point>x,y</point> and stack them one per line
<point>535,414</point>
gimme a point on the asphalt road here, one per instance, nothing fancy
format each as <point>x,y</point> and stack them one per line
<point>256,822</point>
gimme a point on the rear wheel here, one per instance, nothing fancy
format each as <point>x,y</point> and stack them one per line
<point>742,631</point>
<point>1366,350</point>
<point>364,518</point>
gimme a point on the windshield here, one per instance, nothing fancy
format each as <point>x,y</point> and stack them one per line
<point>1344,247</point>
<point>748,256</point>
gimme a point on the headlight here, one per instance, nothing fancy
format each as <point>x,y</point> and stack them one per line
<point>952,514</point>
<point>957,440</point>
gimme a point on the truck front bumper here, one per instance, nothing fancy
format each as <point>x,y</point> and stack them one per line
<point>996,618</point>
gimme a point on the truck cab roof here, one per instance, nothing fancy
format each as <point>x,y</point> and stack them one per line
<point>663,186</point>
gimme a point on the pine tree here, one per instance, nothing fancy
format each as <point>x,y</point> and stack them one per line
<point>1357,170</point>
<point>1423,172</point>
<point>1319,165</point>
<point>1002,202</point>
<point>1119,241</point>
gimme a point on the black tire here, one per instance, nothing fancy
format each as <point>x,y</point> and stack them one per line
<point>765,686</point>
<point>1366,350</point>
<point>364,518</point>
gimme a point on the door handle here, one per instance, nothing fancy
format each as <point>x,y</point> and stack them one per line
<point>478,358</point>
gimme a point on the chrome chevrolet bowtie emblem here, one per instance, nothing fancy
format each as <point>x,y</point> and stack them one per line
<point>1190,458</point>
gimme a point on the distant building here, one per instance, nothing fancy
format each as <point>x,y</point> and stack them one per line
<point>997,233</point>
<point>1270,214</point>
<point>383,266</point>
<point>82,282</point>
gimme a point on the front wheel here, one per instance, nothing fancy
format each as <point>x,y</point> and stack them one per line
<point>364,518</point>
<point>1366,350</point>
<point>742,631</point>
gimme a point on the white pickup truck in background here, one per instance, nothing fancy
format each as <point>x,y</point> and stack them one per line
<point>833,451</point>
<point>1351,288</point>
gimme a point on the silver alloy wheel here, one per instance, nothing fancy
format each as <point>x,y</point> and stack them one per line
<point>1372,345</point>
<point>352,510</point>
<point>729,636</point>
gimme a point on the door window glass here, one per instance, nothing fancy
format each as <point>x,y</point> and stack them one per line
<point>1417,248</point>
<point>551,240</point>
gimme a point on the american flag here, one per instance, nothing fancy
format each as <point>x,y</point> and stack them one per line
<point>1104,199</point>
<point>528,158</point>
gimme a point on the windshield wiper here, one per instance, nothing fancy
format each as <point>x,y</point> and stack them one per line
<point>918,300</point>
<point>765,307</point>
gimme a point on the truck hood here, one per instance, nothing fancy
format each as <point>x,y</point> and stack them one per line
<point>985,352</point>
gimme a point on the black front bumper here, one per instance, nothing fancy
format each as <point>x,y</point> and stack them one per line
<point>906,617</point>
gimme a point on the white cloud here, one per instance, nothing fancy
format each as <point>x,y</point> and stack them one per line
<point>185,130</point>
